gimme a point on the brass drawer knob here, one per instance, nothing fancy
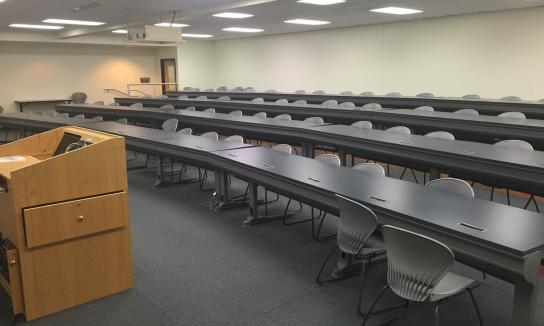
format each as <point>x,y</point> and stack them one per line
<point>13,262</point>
<point>81,218</point>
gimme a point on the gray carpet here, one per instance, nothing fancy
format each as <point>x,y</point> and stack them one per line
<point>193,266</point>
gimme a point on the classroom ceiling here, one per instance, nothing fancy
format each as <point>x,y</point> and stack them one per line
<point>269,15</point>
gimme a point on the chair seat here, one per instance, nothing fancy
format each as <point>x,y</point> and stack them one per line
<point>451,284</point>
<point>374,246</point>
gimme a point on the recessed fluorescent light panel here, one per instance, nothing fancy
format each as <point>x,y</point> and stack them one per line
<point>235,15</point>
<point>301,21</point>
<point>120,31</point>
<point>2,1</point>
<point>243,30</point>
<point>321,2</point>
<point>72,22</point>
<point>196,35</point>
<point>171,25</point>
<point>30,26</point>
<point>396,11</point>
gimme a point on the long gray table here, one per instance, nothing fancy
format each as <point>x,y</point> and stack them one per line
<point>533,109</point>
<point>503,241</point>
<point>482,128</point>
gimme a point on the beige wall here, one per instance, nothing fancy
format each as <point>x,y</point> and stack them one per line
<point>35,71</point>
<point>492,54</point>
<point>197,68</point>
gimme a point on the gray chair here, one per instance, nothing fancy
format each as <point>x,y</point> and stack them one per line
<point>284,148</point>
<point>78,98</point>
<point>50,113</point>
<point>237,89</point>
<point>222,89</point>
<point>203,176</point>
<point>357,241</point>
<point>403,131</point>
<point>370,107</point>
<point>452,185</point>
<point>283,117</point>
<point>419,270</point>
<point>371,168</point>
<point>162,96</point>
<point>258,100</point>
<point>187,88</point>
<point>512,115</point>
<point>249,90</point>
<point>210,135</point>
<point>97,119</point>
<point>467,112</point>
<point>300,102</point>
<point>168,107</point>
<point>346,105</point>
<point>183,97</point>
<point>114,104</point>
<point>190,109</point>
<point>137,105</point>
<point>80,117</point>
<point>185,131</point>
<point>122,121</point>
<point>236,113</point>
<point>99,103</point>
<point>511,99</point>
<point>315,120</point>
<point>300,91</point>
<point>270,91</point>
<point>319,92</point>
<point>261,115</point>
<point>542,100</point>
<point>201,97</point>
<point>367,94</point>
<point>516,145</point>
<point>235,139</point>
<point>331,159</point>
<point>209,90</point>
<point>425,95</point>
<point>441,135</point>
<point>223,98</point>
<point>331,104</point>
<point>209,110</point>
<point>170,125</point>
<point>282,101</point>
<point>424,109</point>
<point>347,93</point>
<point>62,115</point>
<point>362,125</point>
<point>471,97</point>
<point>393,94</point>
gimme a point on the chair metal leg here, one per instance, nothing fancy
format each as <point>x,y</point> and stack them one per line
<point>492,193</point>
<point>316,235</point>
<point>369,313</point>
<point>508,196</point>
<point>476,306</point>
<point>318,278</point>
<point>403,172</point>
<point>436,308</point>
<point>533,199</point>
<point>287,215</point>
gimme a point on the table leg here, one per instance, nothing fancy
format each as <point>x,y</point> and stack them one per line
<point>343,158</point>
<point>434,174</point>
<point>253,204</point>
<point>525,298</point>
<point>160,172</point>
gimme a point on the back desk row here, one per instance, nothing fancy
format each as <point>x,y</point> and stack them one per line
<point>533,109</point>
<point>503,241</point>
<point>484,128</point>
<point>491,165</point>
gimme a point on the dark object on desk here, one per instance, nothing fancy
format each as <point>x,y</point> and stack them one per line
<point>78,97</point>
<point>65,143</point>
<point>144,80</point>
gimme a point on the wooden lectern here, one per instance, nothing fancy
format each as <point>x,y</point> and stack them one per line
<point>64,220</point>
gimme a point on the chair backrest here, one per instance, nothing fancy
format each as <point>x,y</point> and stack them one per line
<point>425,95</point>
<point>393,94</point>
<point>270,91</point>
<point>249,90</point>
<point>79,116</point>
<point>209,90</point>
<point>183,97</point>
<point>319,92</point>
<point>62,115</point>
<point>283,117</point>
<point>168,107</point>
<point>209,110</point>
<point>300,102</point>
<point>170,125</point>
<point>472,97</point>
<point>399,130</point>
<point>316,120</point>
<point>346,105</point>
<point>114,104</point>
<point>99,103</point>
<point>122,121</point>
<point>223,98</point>
<point>415,263</point>
<point>357,224</point>
<point>542,100</point>
<point>190,109</point>
<point>282,101</point>
<point>50,113</point>
<point>258,100</point>
<point>97,119</point>
<point>330,103</point>
<point>512,115</point>
<point>373,168</point>
<point>452,185</point>
<point>367,94</point>
<point>162,96</point>
<point>332,159</point>
<point>235,139</point>
<point>261,115</point>
<point>441,135</point>
<point>236,113</point>
<point>210,135</point>
<point>237,89</point>
<point>187,88</point>
<point>371,107</point>
<point>78,97</point>
<point>222,89</point>
<point>362,124</point>
<point>467,112</point>
<point>347,93</point>
<point>284,148</point>
<point>511,99</point>
<point>202,97</point>
<point>515,143</point>
<point>424,109</point>
<point>137,105</point>
<point>186,131</point>
<point>300,91</point>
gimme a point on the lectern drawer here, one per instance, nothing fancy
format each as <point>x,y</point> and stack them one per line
<point>52,223</point>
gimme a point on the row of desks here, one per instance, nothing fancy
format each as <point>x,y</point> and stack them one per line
<point>484,128</point>
<point>500,167</point>
<point>533,109</point>
<point>503,241</point>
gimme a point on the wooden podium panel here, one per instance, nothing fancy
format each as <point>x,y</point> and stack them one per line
<point>65,220</point>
